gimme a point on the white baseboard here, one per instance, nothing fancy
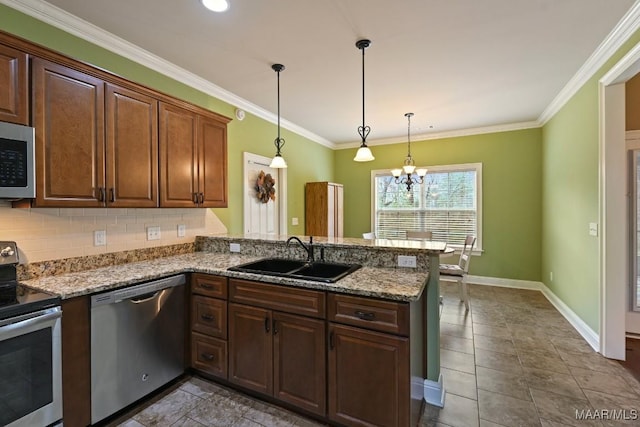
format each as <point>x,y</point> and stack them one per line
<point>591,336</point>
<point>434,392</point>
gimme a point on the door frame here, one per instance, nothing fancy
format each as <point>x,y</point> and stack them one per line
<point>613,212</point>
<point>281,195</point>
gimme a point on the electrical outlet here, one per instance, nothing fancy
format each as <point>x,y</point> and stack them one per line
<point>153,233</point>
<point>593,228</point>
<point>234,247</point>
<point>99,238</point>
<point>294,221</point>
<point>406,261</point>
<point>182,230</point>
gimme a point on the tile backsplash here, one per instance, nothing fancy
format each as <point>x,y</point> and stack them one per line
<point>57,233</point>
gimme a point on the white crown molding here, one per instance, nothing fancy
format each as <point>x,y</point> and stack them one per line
<point>446,134</point>
<point>71,24</point>
<point>627,26</point>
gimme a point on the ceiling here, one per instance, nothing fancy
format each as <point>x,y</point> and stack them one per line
<point>456,64</point>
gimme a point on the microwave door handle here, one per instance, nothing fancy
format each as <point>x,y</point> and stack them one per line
<point>30,320</point>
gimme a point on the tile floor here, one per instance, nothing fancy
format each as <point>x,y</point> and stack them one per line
<point>513,360</point>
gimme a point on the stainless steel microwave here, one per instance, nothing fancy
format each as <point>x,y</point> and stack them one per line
<point>17,161</point>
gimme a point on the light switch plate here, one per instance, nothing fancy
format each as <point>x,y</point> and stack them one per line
<point>99,238</point>
<point>294,221</point>
<point>593,228</point>
<point>182,230</point>
<point>234,247</point>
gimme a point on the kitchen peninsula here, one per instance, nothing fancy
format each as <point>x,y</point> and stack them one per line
<point>379,314</point>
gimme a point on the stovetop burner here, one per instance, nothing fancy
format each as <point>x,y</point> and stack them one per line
<point>16,299</point>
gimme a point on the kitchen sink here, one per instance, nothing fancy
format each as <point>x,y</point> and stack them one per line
<point>317,271</point>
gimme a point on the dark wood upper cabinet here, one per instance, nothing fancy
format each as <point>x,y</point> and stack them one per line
<point>132,149</point>
<point>70,145</point>
<point>14,86</point>
<point>193,159</point>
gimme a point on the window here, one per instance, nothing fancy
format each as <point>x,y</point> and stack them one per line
<point>448,203</point>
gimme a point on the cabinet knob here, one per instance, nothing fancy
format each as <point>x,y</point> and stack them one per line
<point>207,317</point>
<point>207,356</point>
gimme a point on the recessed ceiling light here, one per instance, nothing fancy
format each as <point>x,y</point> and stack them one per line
<point>216,5</point>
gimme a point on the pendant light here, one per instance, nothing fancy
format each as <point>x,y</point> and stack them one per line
<point>409,166</point>
<point>278,161</point>
<point>216,5</point>
<point>364,153</point>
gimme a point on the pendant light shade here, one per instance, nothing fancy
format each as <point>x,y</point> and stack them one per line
<point>364,153</point>
<point>278,161</point>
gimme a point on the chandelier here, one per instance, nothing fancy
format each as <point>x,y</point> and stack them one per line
<point>408,174</point>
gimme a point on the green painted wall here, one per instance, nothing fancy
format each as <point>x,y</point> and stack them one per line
<point>570,201</point>
<point>511,193</point>
<point>252,134</point>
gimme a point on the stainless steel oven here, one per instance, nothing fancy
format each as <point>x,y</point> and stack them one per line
<point>31,369</point>
<point>30,350</point>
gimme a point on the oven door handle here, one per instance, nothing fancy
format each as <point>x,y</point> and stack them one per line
<point>27,320</point>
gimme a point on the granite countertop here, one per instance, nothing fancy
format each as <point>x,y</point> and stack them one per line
<point>401,284</point>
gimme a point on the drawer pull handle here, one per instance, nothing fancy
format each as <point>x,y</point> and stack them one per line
<point>207,317</point>
<point>275,327</point>
<point>332,340</point>
<point>206,286</point>
<point>364,315</point>
<point>266,324</point>
<point>207,356</point>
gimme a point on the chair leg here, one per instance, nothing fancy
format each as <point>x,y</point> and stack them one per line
<point>464,296</point>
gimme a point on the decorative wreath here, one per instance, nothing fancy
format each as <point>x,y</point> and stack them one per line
<point>265,187</point>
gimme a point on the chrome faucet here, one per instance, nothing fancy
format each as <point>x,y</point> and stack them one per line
<point>308,248</point>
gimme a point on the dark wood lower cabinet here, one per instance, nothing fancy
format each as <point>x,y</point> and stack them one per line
<point>76,362</point>
<point>368,377</point>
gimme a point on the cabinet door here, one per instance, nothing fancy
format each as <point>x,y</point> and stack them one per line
<point>178,157</point>
<point>212,165</point>
<point>250,348</point>
<point>132,149</point>
<point>69,121</point>
<point>374,390</point>
<point>14,90</point>
<point>299,370</point>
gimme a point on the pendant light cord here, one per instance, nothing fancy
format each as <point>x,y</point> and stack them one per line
<point>363,130</point>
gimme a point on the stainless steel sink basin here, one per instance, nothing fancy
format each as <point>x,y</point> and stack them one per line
<point>317,271</point>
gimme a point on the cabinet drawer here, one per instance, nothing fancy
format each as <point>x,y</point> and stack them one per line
<point>282,298</point>
<point>208,285</point>
<point>209,355</point>
<point>378,315</point>
<point>209,316</point>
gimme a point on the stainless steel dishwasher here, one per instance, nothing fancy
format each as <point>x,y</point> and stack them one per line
<point>137,342</point>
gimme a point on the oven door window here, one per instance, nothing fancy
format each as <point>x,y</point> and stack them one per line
<point>26,374</point>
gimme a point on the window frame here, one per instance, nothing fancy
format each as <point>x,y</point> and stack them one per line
<point>477,167</point>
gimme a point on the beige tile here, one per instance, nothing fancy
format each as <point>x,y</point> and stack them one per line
<point>169,409</point>
<point>510,384</point>
<point>463,345</point>
<point>203,388</point>
<point>456,319</point>
<point>187,422</point>
<point>500,345</point>
<point>458,361</point>
<point>452,329</point>
<point>622,411</point>
<point>547,423</point>
<point>538,360</point>
<point>457,412</point>
<point>220,411</point>
<point>498,361</point>
<point>593,361</point>
<point>605,383</point>
<point>506,410</point>
<point>130,423</point>
<point>491,331</point>
<point>573,345</point>
<point>562,409</point>
<point>485,423</point>
<point>245,422</point>
<point>552,381</point>
<point>268,415</point>
<point>459,383</point>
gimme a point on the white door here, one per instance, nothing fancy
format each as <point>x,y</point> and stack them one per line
<point>263,218</point>
<point>633,306</point>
